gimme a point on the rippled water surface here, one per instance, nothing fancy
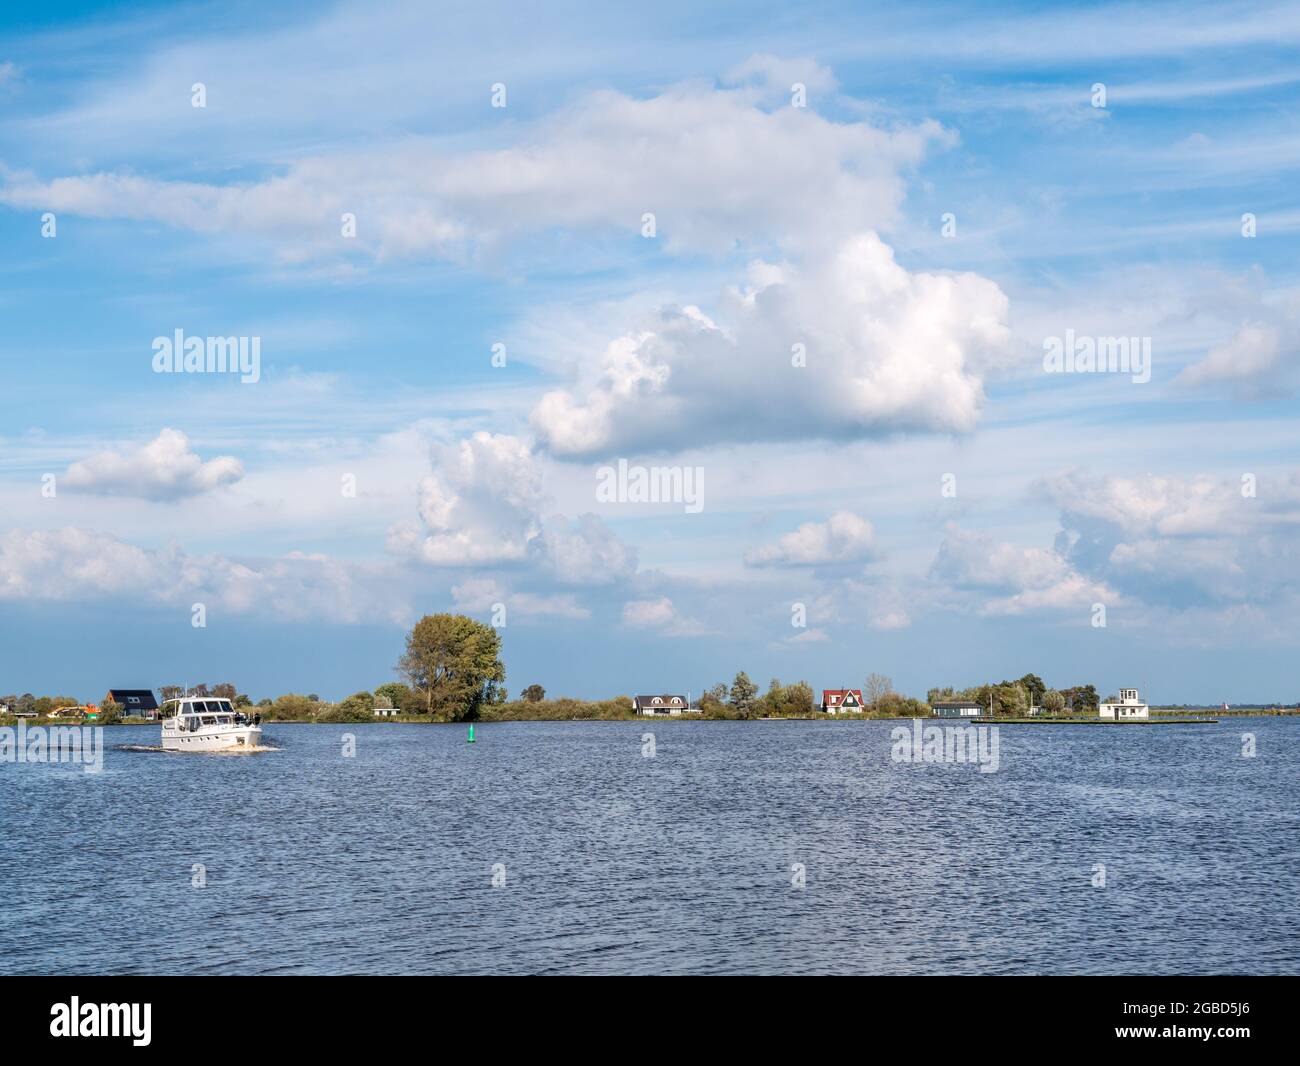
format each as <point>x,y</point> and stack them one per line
<point>681,863</point>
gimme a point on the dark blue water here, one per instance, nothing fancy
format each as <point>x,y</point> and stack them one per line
<point>615,863</point>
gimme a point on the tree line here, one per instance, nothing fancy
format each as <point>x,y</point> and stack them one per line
<point>742,699</point>
<point>452,671</point>
<point>1014,698</point>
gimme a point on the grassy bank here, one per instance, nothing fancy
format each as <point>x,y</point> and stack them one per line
<point>1097,721</point>
<point>1218,712</point>
<point>299,711</point>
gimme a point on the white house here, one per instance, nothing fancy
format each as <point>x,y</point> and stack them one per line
<point>674,705</point>
<point>1127,706</point>
<point>842,700</point>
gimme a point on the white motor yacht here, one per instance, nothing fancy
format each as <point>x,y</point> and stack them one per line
<point>192,723</point>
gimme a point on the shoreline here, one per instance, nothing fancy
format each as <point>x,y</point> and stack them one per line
<point>1155,719</point>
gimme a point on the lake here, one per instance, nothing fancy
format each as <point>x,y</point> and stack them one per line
<point>614,862</point>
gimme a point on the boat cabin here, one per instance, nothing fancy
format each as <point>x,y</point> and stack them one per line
<point>206,711</point>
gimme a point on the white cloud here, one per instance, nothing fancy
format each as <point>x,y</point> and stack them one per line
<point>660,616</point>
<point>805,636</point>
<point>1260,357</point>
<point>598,165</point>
<point>778,74</point>
<point>843,538</point>
<point>971,560</point>
<point>1032,579</point>
<point>1189,542</point>
<point>649,613</point>
<point>74,564</point>
<point>585,551</point>
<point>1146,504</point>
<point>886,350</point>
<point>164,469</point>
<point>1072,593</point>
<point>1154,543</point>
<point>484,593</point>
<point>483,506</point>
<point>481,503</point>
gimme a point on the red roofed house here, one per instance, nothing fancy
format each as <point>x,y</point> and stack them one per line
<point>835,700</point>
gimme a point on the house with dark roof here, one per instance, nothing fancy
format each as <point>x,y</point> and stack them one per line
<point>842,700</point>
<point>652,705</point>
<point>139,701</point>
<point>957,709</point>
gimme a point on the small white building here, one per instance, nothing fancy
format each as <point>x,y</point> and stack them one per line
<point>667,704</point>
<point>1127,706</point>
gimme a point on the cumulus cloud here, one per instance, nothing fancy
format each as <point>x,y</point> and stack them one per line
<point>599,164</point>
<point>1023,580</point>
<point>843,538</point>
<point>661,616</point>
<point>74,564</point>
<point>164,469</point>
<point>585,551</point>
<point>480,505</point>
<point>484,593</point>
<point>1159,543</point>
<point>885,349</point>
<point>483,505</point>
<point>1145,504</point>
<point>1181,542</point>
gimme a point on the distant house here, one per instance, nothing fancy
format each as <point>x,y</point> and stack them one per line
<point>1127,706</point>
<point>135,701</point>
<point>652,705</point>
<point>842,700</point>
<point>956,709</point>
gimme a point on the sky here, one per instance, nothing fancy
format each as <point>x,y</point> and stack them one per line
<point>811,270</point>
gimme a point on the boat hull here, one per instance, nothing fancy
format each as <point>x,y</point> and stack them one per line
<point>233,738</point>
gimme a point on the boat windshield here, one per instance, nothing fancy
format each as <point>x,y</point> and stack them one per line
<point>196,707</point>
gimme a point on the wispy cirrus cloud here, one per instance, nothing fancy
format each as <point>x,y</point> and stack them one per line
<point>598,166</point>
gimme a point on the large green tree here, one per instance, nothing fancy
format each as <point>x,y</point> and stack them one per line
<point>1081,698</point>
<point>1035,687</point>
<point>453,663</point>
<point>743,694</point>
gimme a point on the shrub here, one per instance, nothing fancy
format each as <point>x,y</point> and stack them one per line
<point>561,710</point>
<point>401,697</point>
<point>292,706</point>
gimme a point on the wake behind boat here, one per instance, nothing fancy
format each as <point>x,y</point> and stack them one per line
<point>194,724</point>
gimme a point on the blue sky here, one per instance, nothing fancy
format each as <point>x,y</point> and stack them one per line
<point>1173,503</point>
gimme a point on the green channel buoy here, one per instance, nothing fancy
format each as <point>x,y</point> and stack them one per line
<point>470,738</point>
